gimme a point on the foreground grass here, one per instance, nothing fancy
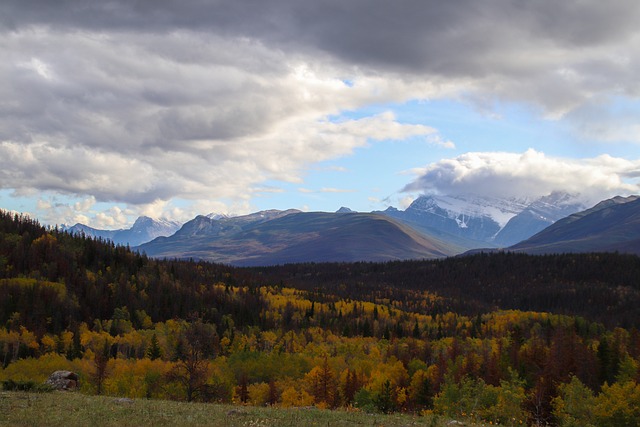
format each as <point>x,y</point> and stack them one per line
<point>75,409</point>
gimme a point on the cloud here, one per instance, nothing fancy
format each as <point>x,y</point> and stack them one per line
<point>556,55</point>
<point>141,118</point>
<point>145,102</point>
<point>112,219</point>
<point>530,174</point>
<point>55,210</point>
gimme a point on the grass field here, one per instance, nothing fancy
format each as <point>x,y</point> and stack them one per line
<point>74,409</point>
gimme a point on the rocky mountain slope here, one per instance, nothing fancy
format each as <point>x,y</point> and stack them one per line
<point>611,225</point>
<point>475,221</point>
<point>278,237</point>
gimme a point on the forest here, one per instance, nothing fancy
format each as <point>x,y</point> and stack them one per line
<point>509,339</point>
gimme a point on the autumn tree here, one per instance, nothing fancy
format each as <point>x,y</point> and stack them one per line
<point>192,367</point>
<point>618,405</point>
<point>350,386</point>
<point>573,407</point>
<point>101,363</point>
<point>421,390</point>
<point>322,384</point>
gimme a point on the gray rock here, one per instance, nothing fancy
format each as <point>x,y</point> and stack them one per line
<point>63,380</point>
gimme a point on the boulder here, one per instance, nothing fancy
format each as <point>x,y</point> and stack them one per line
<point>63,380</point>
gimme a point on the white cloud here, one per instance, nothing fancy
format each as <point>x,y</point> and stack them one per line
<point>405,202</point>
<point>209,101</point>
<point>43,204</point>
<point>142,119</point>
<point>85,205</point>
<point>529,174</point>
<point>113,218</point>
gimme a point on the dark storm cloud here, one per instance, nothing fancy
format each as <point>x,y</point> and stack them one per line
<point>436,36</point>
<point>517,50</point>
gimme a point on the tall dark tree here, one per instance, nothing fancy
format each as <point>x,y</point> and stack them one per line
<point>154,351</point>
<point>192,368</point>
<point>101,364</point>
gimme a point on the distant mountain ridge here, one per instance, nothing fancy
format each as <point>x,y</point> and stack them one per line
<point>278,237</point>
<point>537,216</point>
<point>143,230</point>
<point>431,227</point>
<point>611,225</point>
<point>486,221</point>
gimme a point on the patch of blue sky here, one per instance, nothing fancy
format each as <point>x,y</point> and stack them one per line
<point>12,202</point>
<point>507,127</point>
<point>379,170</point>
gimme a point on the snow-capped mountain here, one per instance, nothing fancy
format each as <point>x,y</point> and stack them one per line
<point>143,230</point>
<point>214,215</point>
<point>612,225</point>
<point>487,220</point>
<point>537,216</point>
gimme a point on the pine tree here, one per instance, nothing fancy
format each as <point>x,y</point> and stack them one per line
<point>154,352</point>
<point>384,400</point>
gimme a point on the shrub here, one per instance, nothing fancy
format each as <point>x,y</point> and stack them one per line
<point>32,386</point>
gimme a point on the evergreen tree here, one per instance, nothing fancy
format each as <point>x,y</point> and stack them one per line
<point>384,400</point>
<point>154,352</point>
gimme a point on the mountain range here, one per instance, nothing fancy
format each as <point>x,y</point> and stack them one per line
<point>279,237</point>
<point>143,230</point>
<point>484,221</point>
<point>612,225</point>
<point>431,227</point>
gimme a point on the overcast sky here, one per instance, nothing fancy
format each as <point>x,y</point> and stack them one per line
<point>113,109</point>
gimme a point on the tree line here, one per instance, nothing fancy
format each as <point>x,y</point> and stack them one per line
<point>489,337</point>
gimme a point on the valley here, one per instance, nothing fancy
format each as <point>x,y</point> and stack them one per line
<point>523,333</point>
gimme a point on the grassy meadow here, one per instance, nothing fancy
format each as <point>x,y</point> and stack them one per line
<point>75,409</point>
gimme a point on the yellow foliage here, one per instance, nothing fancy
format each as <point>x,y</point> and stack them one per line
<point>258,394</point>
<point>28,338</point>
<point>48,343</point>
<point>268,340</point>
<point>59,288</point>
<point>32,369</point>
<point>136,378</point>
<point>295,397</point>
<point>618,405</point>
<point>573,407</point>
<point>132,341</point>
<point>393,371</point>
<point>95,340</point>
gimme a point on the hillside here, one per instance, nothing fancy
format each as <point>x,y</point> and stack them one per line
<point>77,279</point>
<point>483,222</point>
<point>298,237</point>
<point>611,226</point>
<point>455,337</point>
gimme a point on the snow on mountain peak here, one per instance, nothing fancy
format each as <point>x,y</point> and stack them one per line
<point>462,207</point>
<point>217,216</point>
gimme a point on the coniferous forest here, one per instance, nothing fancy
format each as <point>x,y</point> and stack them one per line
<point>502,338</point>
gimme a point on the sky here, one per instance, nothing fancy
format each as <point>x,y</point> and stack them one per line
<point>116,108</point>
